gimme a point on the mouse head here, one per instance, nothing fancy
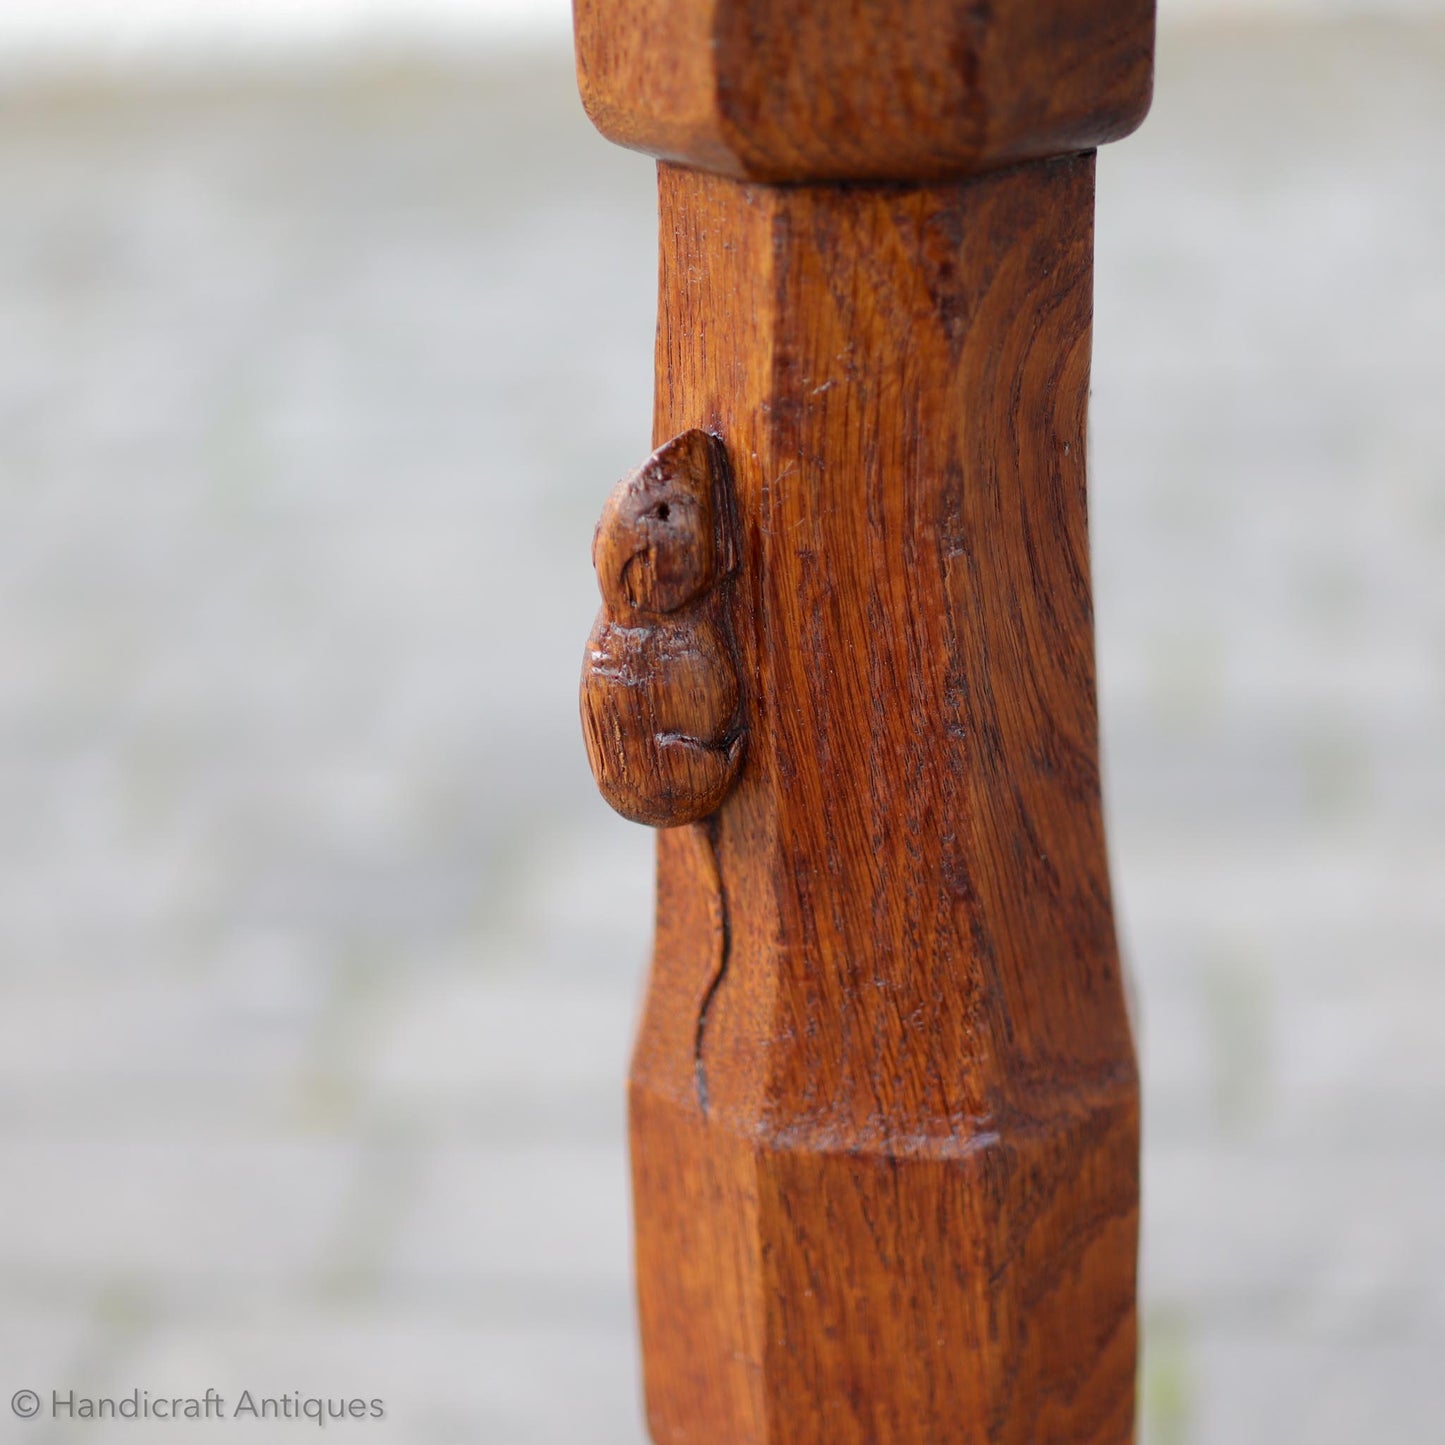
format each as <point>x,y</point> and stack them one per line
<point>666,533</point>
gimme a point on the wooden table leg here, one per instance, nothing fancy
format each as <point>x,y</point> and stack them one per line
<point>884,1100</point>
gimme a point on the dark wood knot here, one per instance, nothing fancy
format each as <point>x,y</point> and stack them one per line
<point>661,703</point>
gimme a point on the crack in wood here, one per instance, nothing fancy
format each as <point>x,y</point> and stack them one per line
<point>723,933</point>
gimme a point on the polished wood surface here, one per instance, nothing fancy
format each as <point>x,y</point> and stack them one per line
<point>818,90</point>
<point>884,1098</point>
<point>884,1102</point>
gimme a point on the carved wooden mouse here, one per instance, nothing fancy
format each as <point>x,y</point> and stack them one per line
<point>661,707</point>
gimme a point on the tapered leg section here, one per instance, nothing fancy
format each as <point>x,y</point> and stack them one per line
<point>884,1100</point>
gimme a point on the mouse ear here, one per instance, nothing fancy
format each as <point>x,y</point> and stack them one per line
<point>686,465</point>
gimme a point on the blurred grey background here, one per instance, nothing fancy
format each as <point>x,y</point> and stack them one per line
<point>324,330</point>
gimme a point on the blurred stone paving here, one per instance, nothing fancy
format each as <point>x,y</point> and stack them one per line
<point>320,955</point>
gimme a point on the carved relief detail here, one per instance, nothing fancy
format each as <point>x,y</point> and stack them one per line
<point>661,701</point>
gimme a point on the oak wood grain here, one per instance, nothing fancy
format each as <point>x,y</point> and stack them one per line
<point>885,1119</point>
<point>884,1100</point>
<point>823,90</point>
